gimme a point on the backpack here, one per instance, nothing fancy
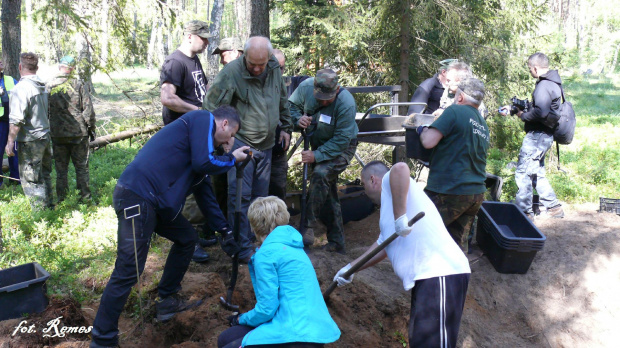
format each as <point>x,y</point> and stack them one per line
<point>565,129</point>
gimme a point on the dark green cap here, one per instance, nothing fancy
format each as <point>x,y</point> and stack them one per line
<point>199,28</point>
<point>325,84</point>
<point>228,44</point>
<point>68,61</point>
<point>443,65</point>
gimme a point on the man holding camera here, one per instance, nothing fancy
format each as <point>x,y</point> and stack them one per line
<point>456,180</point>
<point>546,99</point>
<point>72,123</point>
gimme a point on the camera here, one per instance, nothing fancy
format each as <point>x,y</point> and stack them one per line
<point>518,104</point>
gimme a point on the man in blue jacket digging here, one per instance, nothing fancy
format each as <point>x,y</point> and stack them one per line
<point>149,197</point>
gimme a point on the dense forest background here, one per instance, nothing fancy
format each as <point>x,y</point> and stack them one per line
<point>369,42</point>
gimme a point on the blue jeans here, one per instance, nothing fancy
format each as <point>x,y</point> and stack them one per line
<point>255,184</point>
<point>532,161</point>
<point>13,162</point>
<point>179,231</point>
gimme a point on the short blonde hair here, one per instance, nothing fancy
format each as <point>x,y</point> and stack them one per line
<point>267,213</point>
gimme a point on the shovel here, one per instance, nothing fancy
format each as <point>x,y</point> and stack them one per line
<point>370,255</point>
<point>304,188</point>
<point>227,302</point>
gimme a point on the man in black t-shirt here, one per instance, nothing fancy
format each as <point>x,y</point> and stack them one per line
<point>183,86</point>
<point>183,81</point>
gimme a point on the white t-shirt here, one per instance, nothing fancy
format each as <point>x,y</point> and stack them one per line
<point>428,251</point>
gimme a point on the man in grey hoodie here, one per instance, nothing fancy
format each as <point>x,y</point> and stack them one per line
<point>29,127</point>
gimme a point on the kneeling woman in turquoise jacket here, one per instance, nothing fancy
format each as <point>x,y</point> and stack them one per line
<point>290,310</point>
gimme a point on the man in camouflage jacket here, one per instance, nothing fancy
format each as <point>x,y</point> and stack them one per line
<point>72,121</point>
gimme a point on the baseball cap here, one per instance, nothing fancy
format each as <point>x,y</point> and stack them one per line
<point>325,84</point>
<point>199,28</point>
<point>228,44</point>
<point>67,61</point>
<point>443,65</point>
<point>473,88</point>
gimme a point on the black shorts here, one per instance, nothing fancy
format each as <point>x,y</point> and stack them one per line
<point>436,309</point>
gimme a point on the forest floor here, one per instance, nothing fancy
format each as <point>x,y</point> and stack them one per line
<point>568,297</point>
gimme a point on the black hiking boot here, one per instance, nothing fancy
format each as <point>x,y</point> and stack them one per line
<point>207,242</point>
<point>333,247</point>
<point>171,305</point>
<point>308,237</point>
<point>200,255</point>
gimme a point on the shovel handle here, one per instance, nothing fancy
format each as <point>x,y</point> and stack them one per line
<point>240,166</point>
<point>354,268</point>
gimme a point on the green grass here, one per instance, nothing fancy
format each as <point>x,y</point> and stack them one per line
<point>75,242</point>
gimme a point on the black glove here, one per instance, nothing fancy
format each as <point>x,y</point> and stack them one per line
<point>228,243</point>
<point>233,320</point>
<point>91,134</point>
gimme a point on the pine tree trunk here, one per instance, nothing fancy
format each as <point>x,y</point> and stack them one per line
<point>11,36</point>
<point>214,28</point>
<point>259,18</point>
<point>405,37</point>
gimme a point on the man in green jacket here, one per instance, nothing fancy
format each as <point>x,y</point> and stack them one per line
<point>253,85</point>
<point>327,112</point>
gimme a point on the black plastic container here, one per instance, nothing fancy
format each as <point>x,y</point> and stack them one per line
<point>22,290</point>
<point>610,205</point>
<point>414,145</point>
<point>508,237</point>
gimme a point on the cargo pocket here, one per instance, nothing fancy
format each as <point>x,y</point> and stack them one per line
<point>29,173</point>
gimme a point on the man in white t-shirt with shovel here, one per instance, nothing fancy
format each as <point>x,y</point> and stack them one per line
<point>425,257</point>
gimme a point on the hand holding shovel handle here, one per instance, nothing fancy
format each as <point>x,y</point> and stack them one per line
<point>354,268</point>
<point>227,302</point>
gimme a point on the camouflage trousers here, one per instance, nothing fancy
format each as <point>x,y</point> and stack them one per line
<point>532,161</point>
<point>73,150</point>
<point>277,181</point>
<point>323,202</point>
<point>35,169</point>
<point>458,213</point>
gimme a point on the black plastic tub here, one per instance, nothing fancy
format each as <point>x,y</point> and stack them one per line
<point>414,145</point>
<point>22,290</point>
<point>610,205</point>
<point>508,238</point>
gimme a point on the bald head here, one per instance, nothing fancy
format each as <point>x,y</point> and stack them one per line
<point>281,58</point>
<point>258,49</point>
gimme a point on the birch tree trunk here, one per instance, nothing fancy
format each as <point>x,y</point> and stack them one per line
<point>214,28</point>
<point>242,9</point>
<point>105,38</point>
<point>11,36</point>
<point>30,43</point>
<point>150,55</point>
